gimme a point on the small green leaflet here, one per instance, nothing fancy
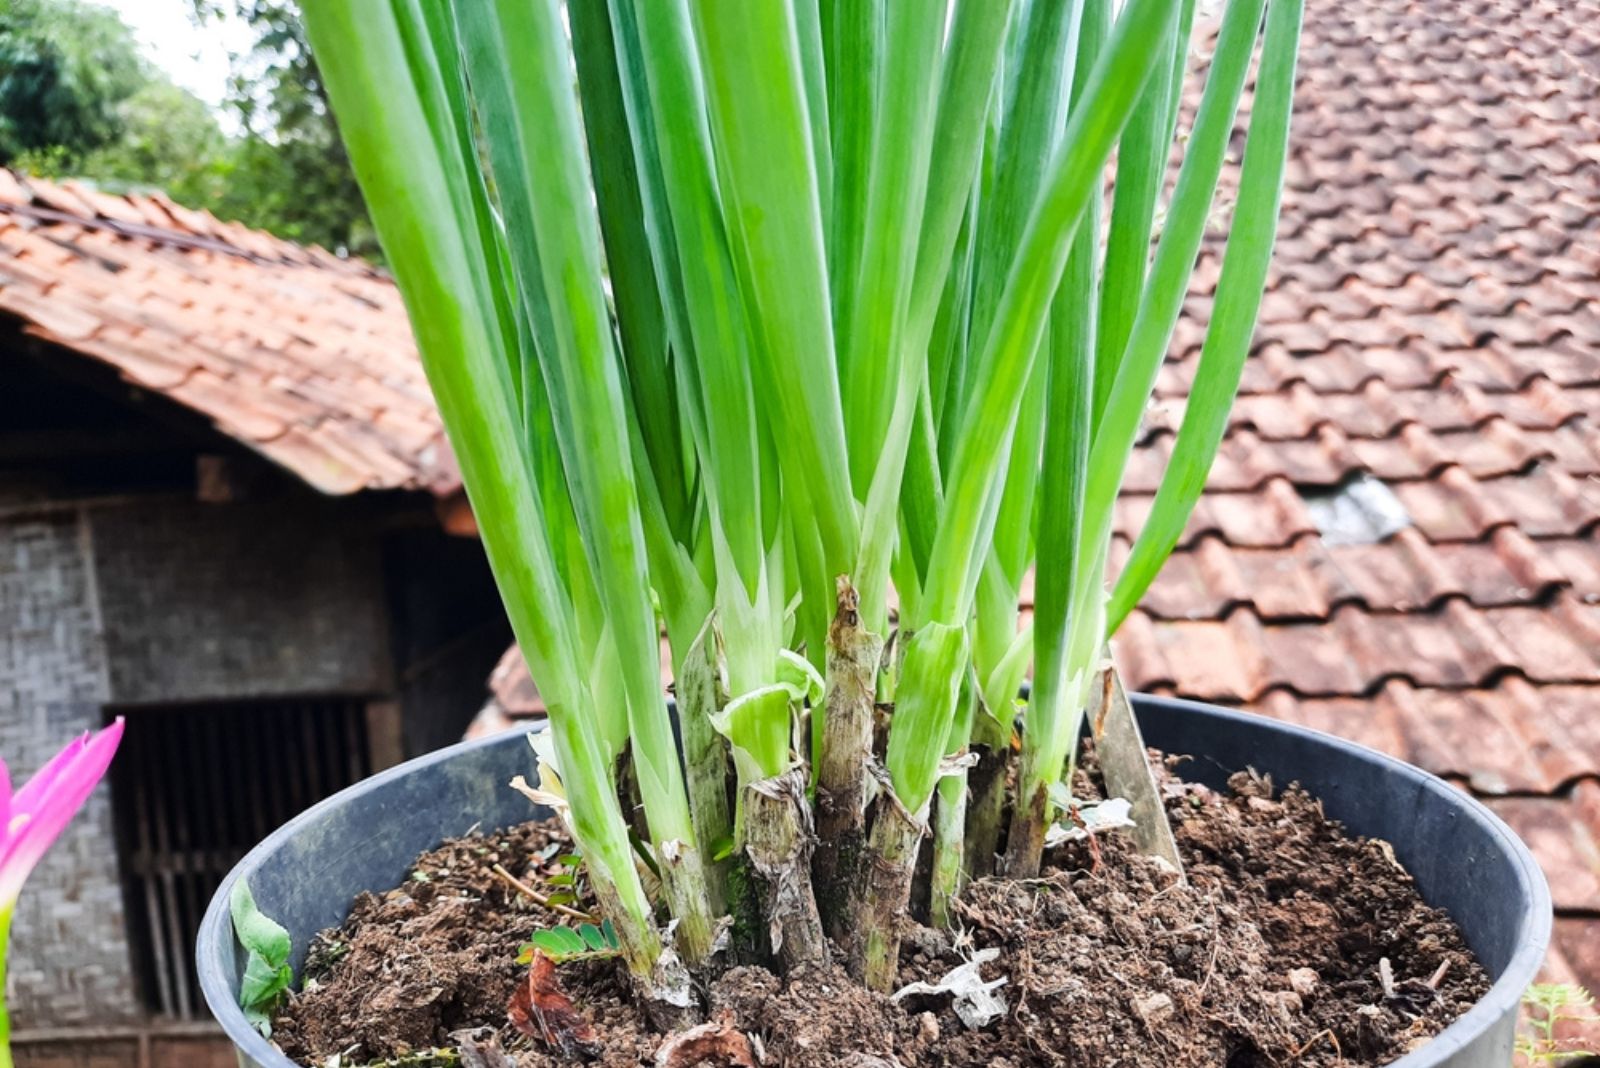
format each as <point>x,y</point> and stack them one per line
<point>267,974</point>
<point>562,944</point>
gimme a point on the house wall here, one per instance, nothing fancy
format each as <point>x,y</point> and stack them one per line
<point>448,631</point>
<point>120,586</point>
<point>250,599</point>
<point>69,953</point>
<point>162,600</point>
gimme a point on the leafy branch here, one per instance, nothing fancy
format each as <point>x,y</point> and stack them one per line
<point>1549,1004</point>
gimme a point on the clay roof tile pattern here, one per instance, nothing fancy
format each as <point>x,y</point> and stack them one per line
<point>1432,322</point>
<point>304,357</point>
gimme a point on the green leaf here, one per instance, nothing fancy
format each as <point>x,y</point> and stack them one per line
<point>562,944</point>
<point>1050,719</point>
<point>1141,168</point>
<point>635,290</point>
<point>930,682</point>
<point>267,974</point>
<point>1022,313</point>
<point>757,105</point>
<point>1169,279</point>
<point>259,935</point>
<point>593,937</point>
<point>1233,314</point>
<point>559,943</point>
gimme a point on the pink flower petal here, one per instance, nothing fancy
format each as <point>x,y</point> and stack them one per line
<point>5,803</point>
<point>68,786</point>
<point>34,790</point>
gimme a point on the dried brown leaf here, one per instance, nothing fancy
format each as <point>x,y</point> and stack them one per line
<point>717,1044</point>
<point>480,1048</point>
<point>541,1010</point>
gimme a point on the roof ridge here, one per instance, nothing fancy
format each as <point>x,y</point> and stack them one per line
<point>154,216</point>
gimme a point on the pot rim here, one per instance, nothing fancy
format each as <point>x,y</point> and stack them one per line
<point>216,929</point>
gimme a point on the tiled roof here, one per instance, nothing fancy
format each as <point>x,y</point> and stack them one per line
<point>1432,322</point>
<point>300,355</point>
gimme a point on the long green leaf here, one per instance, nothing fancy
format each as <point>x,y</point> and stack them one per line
<point>1234,310</point>
<point>882,373</point>
<point>582,373</point>
<point>813,65</point>
<point>408,185</point>
<point>926,698</point>
<point>640,318</point>
<point>1023,310</point>
<point>854,50</point>
<point>715,316</point>
<point>1049,717</point>
<point>1169,276</point>
<point>1031,126</point>
<point>970,72</point>
<point>756,101</point>
<point>1141,167</point>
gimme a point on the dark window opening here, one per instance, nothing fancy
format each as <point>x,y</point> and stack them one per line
<point>194,787</point>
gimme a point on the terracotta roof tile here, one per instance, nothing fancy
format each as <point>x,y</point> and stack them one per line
<point>1567,845</point>
<point>1433,322</point>
<point>300,355</point>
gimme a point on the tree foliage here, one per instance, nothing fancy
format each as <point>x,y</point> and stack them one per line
<point>290,171</point>
<point>78,99</point>
<point>65,70</point>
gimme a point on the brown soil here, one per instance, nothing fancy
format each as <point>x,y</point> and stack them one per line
<point>1292,943</point>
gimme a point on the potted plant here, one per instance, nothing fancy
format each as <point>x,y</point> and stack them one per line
<point>795,329</point>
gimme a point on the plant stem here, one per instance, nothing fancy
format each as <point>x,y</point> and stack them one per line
<point>684,878</point>
<point>894,841</point>
<point>777,839</point>
<point>949,853</point>
<point>600,831</point>
<point>986,792</point>
<point>5,1016</point>
<point>1055,714</point>
<point>706,760</point>
<point>669,997</point>
<point>842,765</point>
<point>948,872</point>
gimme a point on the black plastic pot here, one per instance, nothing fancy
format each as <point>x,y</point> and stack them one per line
<point>1464,859</point>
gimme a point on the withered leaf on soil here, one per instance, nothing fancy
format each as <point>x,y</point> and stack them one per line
<point>540,1010</point>
<point>976,1002</point>
<point>480,1049</point>
<point>718,1044</point>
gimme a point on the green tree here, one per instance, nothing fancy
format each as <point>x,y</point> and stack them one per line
<point>66,69</point>
<point>170,140</point>
<point>290,173</point>
<point>78,99</point>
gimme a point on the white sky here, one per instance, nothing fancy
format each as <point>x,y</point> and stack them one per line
<point>195,57</point>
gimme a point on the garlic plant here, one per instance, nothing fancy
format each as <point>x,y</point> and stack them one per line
<point>803,329</point>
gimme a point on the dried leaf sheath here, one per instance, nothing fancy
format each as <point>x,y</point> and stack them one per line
<point>844,765</point>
